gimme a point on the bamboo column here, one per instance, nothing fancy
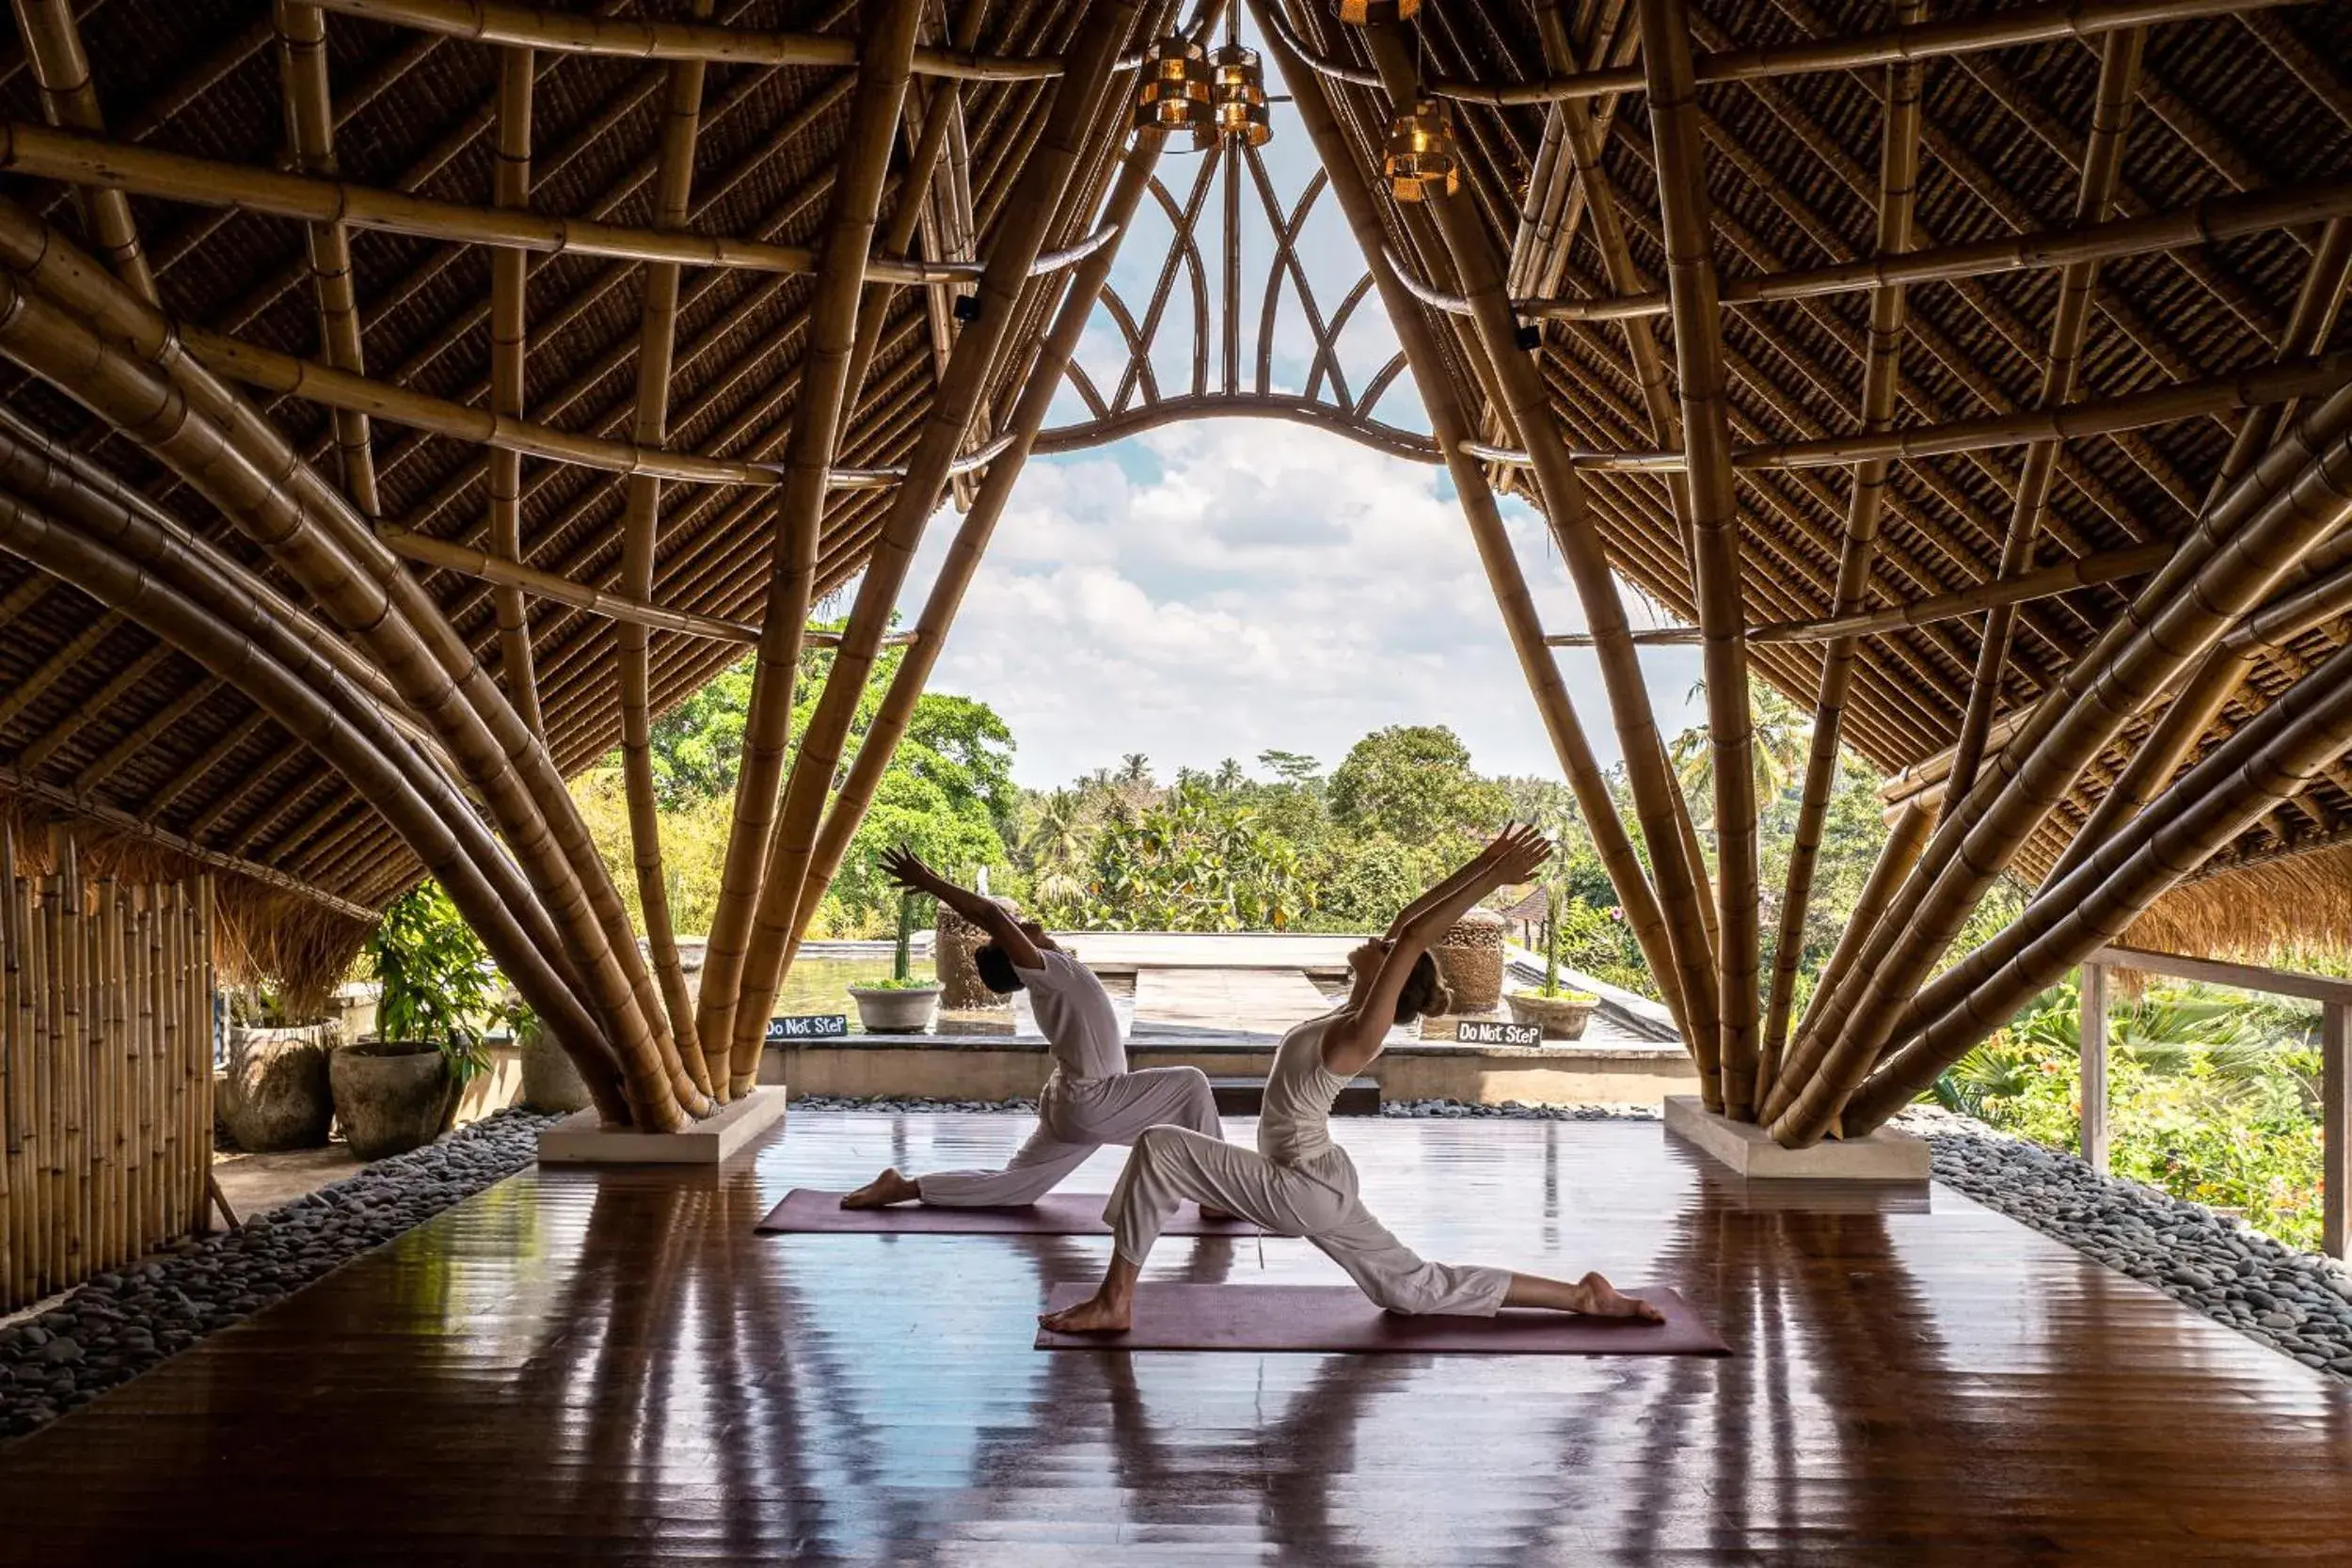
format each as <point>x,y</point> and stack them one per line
<point>640,523</point>
<point>1449,419</point>
<point>1021,233</point>
<point>796,518</point>
<point>509,345</point>
<point>310,134</point>
<point>1527,407</point>
<point>52,42</point>
<point>2061,378</point>
<point>1684,217</point>
<point>1881,378</point>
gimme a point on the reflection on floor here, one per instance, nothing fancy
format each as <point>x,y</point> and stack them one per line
<point>584,1368</point>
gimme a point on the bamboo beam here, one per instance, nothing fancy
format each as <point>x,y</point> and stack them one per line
<point>211,757</point>
<point>52,43</point>
<point>2061,382</point>
<point>640,525</point>
<point>1715,549</point>
<point>1898,175</point>
<point>697,42</point>
<point>60,664</point>
<point>2003,29</point>
<point>98,705</point>
<point>1034,205</point>
<point>1526,406</point>
<point>510,346</point>
<point>89,160</point>
<point>310,137</point>
<point>451,557</point>
<point>2215,219</point>
<point>797,516</point>
<point>2042,582</point>
<point>104,767</point>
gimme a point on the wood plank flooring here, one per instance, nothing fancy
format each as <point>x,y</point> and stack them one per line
<point>580,1368</point>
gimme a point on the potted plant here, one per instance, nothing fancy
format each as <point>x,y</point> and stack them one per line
<point>398,1089</point>
<point>1560,1014</point>
<point>551,1080</point>
<point>902,1005</point>
<point>274,1093</point>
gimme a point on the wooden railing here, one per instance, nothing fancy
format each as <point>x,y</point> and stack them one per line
<point>2334,997</point>
<point>106,1072</point>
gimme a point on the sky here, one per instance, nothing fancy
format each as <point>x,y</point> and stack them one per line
<point>1220,587</point>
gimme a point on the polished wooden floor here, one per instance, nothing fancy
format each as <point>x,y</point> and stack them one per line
<point>576,1368</point>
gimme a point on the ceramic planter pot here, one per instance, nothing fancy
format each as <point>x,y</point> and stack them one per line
<point>275,1094</point>
<point>550,1080</point>
<point>392,1095</point>
<point>1560,1018</point>
<point>910,1011</point>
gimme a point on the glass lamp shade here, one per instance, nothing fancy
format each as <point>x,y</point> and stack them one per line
<point>1420,160</point>
<point>1358,13</point>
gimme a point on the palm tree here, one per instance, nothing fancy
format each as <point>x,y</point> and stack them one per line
<point>1228,775</point>
<point>1134,768</point>
<point>1781,734</point>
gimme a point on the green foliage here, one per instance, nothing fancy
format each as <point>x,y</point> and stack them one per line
<point>1414,783</point>
<point>2209,1098</point>
<point>438,984</point>
<point>1196,860</point>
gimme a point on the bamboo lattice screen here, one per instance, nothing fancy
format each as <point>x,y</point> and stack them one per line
<point>106,1072</point>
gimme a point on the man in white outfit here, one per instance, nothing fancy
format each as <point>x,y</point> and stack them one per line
<point>1091,1099</point>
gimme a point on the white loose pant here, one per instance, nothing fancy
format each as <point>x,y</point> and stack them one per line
<point>1315,1200</point>
<point>1075,1118</point>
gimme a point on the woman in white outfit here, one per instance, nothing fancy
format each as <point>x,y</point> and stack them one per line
<point>1090,1100</point>
<point>1298,1183</point>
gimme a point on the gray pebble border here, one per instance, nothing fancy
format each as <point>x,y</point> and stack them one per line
<point>119,1324</point>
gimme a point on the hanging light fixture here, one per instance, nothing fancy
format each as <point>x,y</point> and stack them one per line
<point>1421,161</point>
<point>1175,91</point>
<point>1360,14</point>
<point>1239,101</point>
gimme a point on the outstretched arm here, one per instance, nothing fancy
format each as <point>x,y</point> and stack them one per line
<point>907,869</point>
<point>1513,857</point>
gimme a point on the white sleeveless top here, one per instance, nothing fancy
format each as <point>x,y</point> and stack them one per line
<point>1295,1120</point>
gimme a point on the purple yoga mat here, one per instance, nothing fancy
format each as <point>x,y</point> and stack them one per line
<point>1338,1318</point>
<point>805,1210</point>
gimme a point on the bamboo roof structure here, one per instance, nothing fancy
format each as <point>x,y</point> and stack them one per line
<point>504,372</point>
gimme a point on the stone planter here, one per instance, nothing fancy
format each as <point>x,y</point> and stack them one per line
<point>913,1011</point>
<point>392,1095</point>
<point>274,1095</point>
<point>1560,1018</point>
<point>551,1081</point>
<point>957,940</point>
<point>1470,957</point>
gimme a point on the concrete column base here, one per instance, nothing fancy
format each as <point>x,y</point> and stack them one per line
<point>1749,1151</point>
<point>579,1140</point>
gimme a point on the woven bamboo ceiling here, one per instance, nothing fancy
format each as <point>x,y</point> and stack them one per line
<point>98,716</point>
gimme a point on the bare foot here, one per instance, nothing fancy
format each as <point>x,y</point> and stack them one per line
<point>1207,1213</point>
<point>1604,1300</point>
<point>1097,1314</point>
<point>886,1189</point>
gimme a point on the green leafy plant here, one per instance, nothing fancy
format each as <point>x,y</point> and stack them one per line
<point>438,983</point>
<point>1555,904</point>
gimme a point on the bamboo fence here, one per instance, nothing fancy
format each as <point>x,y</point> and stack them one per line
<point>106,1070</point>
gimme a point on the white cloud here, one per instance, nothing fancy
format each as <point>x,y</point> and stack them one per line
<point>1217,588</point>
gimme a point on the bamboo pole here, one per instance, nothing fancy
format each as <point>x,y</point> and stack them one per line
<point>1898,175</point>
<point>509,347</point>
<point>2265,761</point>
<point>2241,548</point>
<point>1033,207</point>
<point>15,1088</point>
<point>52,43</point>
<point>311,136</point>
<point>87,161</point>
<point>641,514</point>
<point>311,530</point>
<point>796,518</point>
<point>1040,386</point>
<point>2062,381</point>
<point>388,775</point>
<point>2151,764</point>
<point>697,42</point>
<point>2002,29</point>
<point>451,557</point>
<point>1684,215</point>
<point>1527,408</point>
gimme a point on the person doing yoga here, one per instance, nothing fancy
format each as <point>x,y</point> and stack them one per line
<point>1298,1183</point>
<point>1090,1098</point>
